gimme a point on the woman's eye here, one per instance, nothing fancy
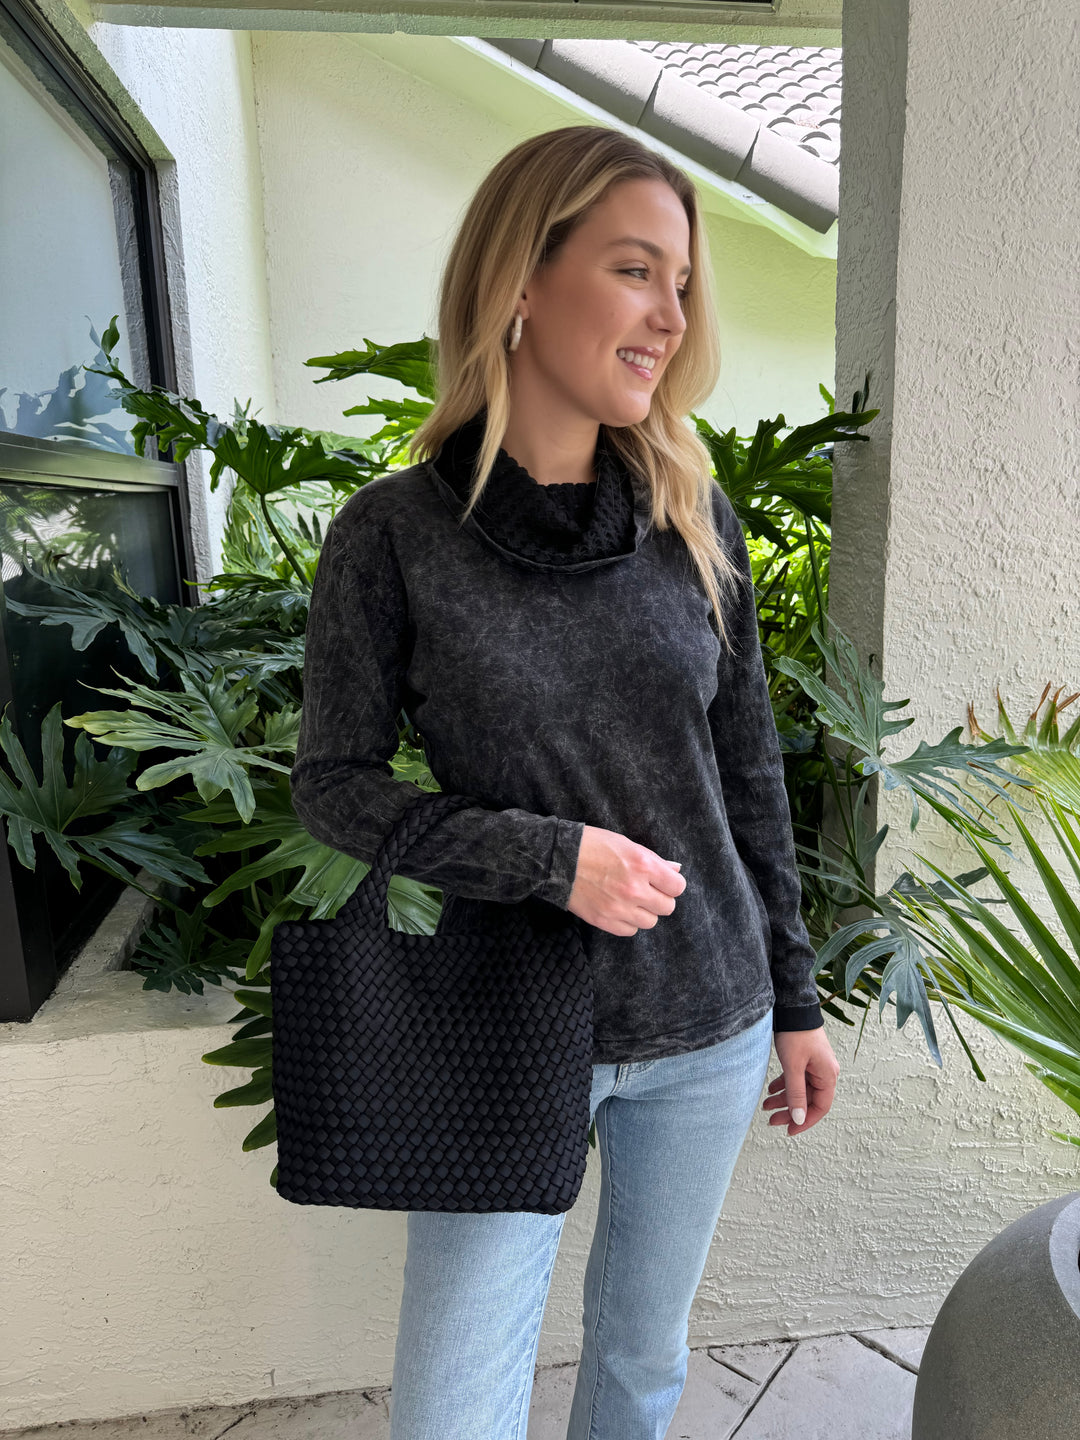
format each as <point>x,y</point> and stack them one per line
<point>643,271</point>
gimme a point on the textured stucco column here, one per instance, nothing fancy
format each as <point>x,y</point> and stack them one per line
<point>956,530</point>
<point>955,540</point>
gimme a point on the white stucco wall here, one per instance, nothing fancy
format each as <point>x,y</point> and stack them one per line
<point>189,96</point>
<point>367,172</point>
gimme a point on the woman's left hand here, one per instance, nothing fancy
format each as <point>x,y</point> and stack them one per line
<point>808,1079</point>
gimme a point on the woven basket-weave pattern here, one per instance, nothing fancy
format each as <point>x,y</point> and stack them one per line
<point>431,1072</point>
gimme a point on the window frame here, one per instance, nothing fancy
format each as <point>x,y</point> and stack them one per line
<point>29,966</point>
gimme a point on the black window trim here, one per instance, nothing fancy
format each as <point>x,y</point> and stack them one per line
<point>28,966</point>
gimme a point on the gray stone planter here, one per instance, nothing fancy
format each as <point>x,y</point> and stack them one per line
<point>1002,1360</point>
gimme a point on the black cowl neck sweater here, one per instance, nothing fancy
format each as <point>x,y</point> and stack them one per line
<point>578,520</point>
<point>557,655</point>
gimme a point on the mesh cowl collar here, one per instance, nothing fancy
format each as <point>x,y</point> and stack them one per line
<point>565,523</point>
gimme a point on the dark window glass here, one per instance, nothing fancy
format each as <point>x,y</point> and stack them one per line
<point>68,265</point>
<point>88,532</point>
<point>80,242</point>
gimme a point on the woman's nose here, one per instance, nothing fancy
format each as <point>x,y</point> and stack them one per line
<point>671,315</point>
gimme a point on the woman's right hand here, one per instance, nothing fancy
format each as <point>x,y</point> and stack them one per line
<point>620,886</point>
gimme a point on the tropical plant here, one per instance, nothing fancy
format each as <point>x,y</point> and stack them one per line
<point>193,790</point>
<point>1026,991</point>
<point>856,715</point>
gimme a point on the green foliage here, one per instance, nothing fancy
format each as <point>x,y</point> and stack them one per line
<point>767,479</point>
<point>1028,993</point>
<point>264,459</point>
<point>88,612</point>
<point>51,806</point>
<point>200,754</point>
<point>205,724</point>
<point>182,952</point>
<point>410,363</point>
<point>855,714</point>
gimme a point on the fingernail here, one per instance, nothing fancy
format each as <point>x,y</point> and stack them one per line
<point>798,1114</point>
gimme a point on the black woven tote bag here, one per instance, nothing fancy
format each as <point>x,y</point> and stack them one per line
<point>431,1072</point>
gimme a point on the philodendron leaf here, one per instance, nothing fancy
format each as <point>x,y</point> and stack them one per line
<point>252,1053</point>
<point>270,459</point>
<point>903,974</point>
<point>50,806</point>
<point>919,772</point>
<point>88,611</point>
<point>408,362</point>
<point>170,419</point>
<point>187,638</point>
<point>278,843</point>
<point>855,714</point>
<point>264,1133</point>
<point>402,416</point>
<point>257,1091</point>
<point>903,956</point>
<point>267,457</point>
<point>743,467</point>
<point>153,852</point>
<point>181,953</point>
<point>203,722</point>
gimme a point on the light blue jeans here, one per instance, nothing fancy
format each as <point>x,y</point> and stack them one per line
<point>669,1132</point>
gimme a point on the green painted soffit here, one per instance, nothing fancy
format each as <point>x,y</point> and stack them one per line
<point>793,22</point>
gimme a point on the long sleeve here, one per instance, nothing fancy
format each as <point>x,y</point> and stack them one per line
<point>343,787</point>
<point>752,777</point>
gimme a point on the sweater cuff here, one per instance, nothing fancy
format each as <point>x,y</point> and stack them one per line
<point>562,867</point>
<point>797,1017</point>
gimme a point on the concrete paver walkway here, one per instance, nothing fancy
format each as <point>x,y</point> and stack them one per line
<point>857,1386</point>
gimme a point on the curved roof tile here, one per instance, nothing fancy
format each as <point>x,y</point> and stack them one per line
<point>766,116</point>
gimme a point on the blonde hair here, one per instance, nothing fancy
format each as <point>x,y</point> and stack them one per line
<point>523,211</point>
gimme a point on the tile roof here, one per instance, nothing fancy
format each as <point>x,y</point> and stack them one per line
<point>793,89</point>
<point>764,116</point>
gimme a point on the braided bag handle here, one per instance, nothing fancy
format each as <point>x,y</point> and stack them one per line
<point>367,903</point>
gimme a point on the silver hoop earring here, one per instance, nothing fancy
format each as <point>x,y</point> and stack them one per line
<point>516,336</point>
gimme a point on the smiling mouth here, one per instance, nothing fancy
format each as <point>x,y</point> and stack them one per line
<point>642,365</point>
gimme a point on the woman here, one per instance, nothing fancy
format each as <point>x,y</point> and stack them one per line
<point>558,595</point>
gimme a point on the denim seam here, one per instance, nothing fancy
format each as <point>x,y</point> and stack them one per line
<point>523,1407</point>
<point>641,1067</point>
<point>589,1434</point>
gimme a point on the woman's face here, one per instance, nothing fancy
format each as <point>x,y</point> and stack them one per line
<point>603,319</point>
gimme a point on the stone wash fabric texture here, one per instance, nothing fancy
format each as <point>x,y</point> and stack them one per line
<point>558,691</point>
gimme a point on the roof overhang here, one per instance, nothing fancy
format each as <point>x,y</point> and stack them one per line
<point>488,78</point>
<point>743,169</point>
